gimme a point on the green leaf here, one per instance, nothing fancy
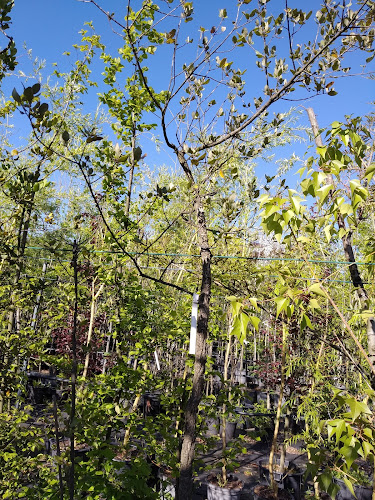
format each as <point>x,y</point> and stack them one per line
<point>340,428</point>
<point>349,485</point>
<point>350,454</point>
<point>323,192</point>
<point>306,322</point>
<point>287,215</point>
<point>325,481</point>
<point>356,408</point>
<point>255,322</point>
<point>240,327</point>
<point>314,304</point>
<point>367,448</point>
<point>328,230</point>
<point>316,288</point>
<point>296,203</point>
<point>28,93</point>
<point>354,185</point>
<point>370,171</point>
<point>236,305</point>
<point>281,304</point>
<point>322,151</point>
<point>253,301</point>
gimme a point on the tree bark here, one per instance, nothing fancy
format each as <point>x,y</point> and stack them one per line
<point>185,490</point>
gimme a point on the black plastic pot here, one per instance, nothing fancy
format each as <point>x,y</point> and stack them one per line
<point>230,430</point>
<point>361,492</point>
<point>215,492</point>
<point>212,427</point>
<point>296,483</point>
<point>282,494</point>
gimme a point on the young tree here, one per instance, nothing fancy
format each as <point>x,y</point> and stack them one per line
<point>206,104</point>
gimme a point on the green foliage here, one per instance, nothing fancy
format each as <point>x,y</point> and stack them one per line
<point>8,53</point>
<point>350,436</point>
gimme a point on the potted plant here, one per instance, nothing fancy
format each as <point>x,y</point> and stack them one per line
<point>265,492</point>
<point>218,489</point>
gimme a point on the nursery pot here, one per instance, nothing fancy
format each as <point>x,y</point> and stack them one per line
<point>212,427</point>
<point>230,430</point>
<point>266,494</point>
<point>240,376</point>
<point>277,474</point>
<point>167,487</point>
<point>295,482</point>
<point>361,492</point>
<point>215,492</point>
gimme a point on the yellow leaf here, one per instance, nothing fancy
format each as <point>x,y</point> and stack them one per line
<point>221,174</point>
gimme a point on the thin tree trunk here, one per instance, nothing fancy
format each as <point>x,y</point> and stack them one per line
<point>188,445</point>
<point>271,464</point>
<point>71,476</point>
<point>94,298</point>
<point>223,420</point>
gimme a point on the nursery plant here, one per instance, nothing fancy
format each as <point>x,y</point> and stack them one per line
<point>349,441</point>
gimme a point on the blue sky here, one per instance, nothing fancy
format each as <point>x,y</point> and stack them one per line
<point>50,27</point>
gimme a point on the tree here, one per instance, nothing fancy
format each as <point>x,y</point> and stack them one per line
<point>200,103</point>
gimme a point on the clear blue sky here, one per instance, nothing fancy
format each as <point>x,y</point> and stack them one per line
<point>50,27</point>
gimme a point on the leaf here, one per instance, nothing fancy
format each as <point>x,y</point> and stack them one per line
<point>354,185</point>
<point>325,481</point>
<point>223,13</point>
<point>281,304</point>
<point>255,322</point>
<point>370,171</point>
<point>253,301</point>
<point>306,322</point>
<point>350,454</point>
<point>93,138</point>
<point>16,95</point>
<point>316,288</point>
<point>28,93</point>
<point>296,202</point>
<point>240,327</point>
<point>340,428</point>
<point>349,485</point>
<point>322,151</point>
<point>356,408</point>
<point>367,448</point>
<point>314,304</point>
<point>35,88</point>
<point>137,154</point>
<point>323,192</point>
<point>287,215</point>
<point>328,232</point>
<point>65,136</point>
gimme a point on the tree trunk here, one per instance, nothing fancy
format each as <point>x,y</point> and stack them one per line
<point>185,490</point>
